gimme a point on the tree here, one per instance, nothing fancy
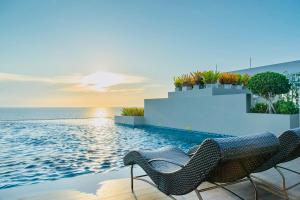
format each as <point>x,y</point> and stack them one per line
<point>268,85</point>
<point>293,95</point>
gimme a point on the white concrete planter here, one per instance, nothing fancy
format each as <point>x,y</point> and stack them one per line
<point>198,87</point>
<point>130,120</point>
<point>212,85</point>
<point>178,89</point>
<point>186,88</point>
<point>227,86</point>
<point>239,87</point>
<point>217,85</point>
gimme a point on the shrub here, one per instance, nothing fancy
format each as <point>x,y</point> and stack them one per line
<point>178,81</point>
<point>293,95</point>
<point>187,80</point>
<point>268,85</point>
<point>132,111</point>
<point>286,107</point>
<point>259,108</point>
<point>239,79</point>
<point>198,78</point>
<point>228,78</point>
<point>245,79</point>
<point>210,77</point>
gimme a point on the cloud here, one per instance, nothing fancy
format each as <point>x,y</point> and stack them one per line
<point>20,77</point>
<point>99,81</point>
<point>133,90</point>
<point>29,78</point>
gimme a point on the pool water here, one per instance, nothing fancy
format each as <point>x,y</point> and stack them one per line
<point>33,151</point>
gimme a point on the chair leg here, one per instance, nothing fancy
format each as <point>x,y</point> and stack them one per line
<point>131,175</point>
<point>283,182</point>
<point>198,195</point>
<point>254,187</point>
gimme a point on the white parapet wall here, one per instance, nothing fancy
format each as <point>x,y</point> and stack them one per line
<point>214,110</point>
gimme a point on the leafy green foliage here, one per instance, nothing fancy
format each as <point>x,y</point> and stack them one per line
<point>238,79</point>
<point>132,111</point>
<point>198,78</point>
<point>268,85</point>
<point>178,82</point>
<point>293,95</point>
<point>245,79</point>
<point>259,108</point>
<point>286,107</point>
<point>210,77</point>
<point>281,107</point>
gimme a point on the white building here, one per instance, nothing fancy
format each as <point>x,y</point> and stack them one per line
<point>289,67</point>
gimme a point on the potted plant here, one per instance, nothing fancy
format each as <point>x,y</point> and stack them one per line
<point>131,116</point>
<point>245,80</point>
<point>178,83</point>
<point>239,83</point>
<point>267,85</point>
<point>227,80</point>
<point>281,106</point>
<point>198,80</point>
<point>286,107</point>
<point>210,78</point>
<point>187,82</point>
<point>134,111</point>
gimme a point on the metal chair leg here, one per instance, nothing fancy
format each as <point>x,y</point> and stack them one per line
<point>131,174</point>
<point>254,187</point>
<point>283,182</point>
<point>228,190</point>
<point>251,181</point>
<point>198,195</point>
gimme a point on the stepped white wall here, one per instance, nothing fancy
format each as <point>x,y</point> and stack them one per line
<point>214,110</point>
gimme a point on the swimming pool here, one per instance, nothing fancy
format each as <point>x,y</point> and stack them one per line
<point>33,151</point>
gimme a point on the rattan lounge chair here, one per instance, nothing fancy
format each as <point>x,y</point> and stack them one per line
<point>289,150</point>
<point>219,161</point>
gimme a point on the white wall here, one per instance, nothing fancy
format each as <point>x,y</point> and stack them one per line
<point>225,114</point>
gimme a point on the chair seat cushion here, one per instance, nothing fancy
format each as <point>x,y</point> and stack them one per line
<point>167,153</point>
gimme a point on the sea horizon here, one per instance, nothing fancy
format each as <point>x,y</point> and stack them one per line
<point>53,113</point>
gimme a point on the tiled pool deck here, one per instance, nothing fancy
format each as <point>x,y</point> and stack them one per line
<point>116,186</point>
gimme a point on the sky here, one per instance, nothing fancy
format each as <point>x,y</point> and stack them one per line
<point>79,53</point>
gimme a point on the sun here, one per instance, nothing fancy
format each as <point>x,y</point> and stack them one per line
<point>100,81</point>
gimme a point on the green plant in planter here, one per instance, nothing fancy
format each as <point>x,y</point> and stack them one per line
<point>239,79</point>
<point>210,77</point>
<point>259,108</point>
<point>286,107</point>
<point>293,95</point>
<point>268,85</point>
<point>132,111</point>
<point>178,82</point>
<point>198,78</point>
<point>187,80</point>
<point>245,79</point>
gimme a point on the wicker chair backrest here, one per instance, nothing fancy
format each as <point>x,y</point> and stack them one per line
<point>233,148</point>
<point>289,145</point>
<point>240,156</point>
